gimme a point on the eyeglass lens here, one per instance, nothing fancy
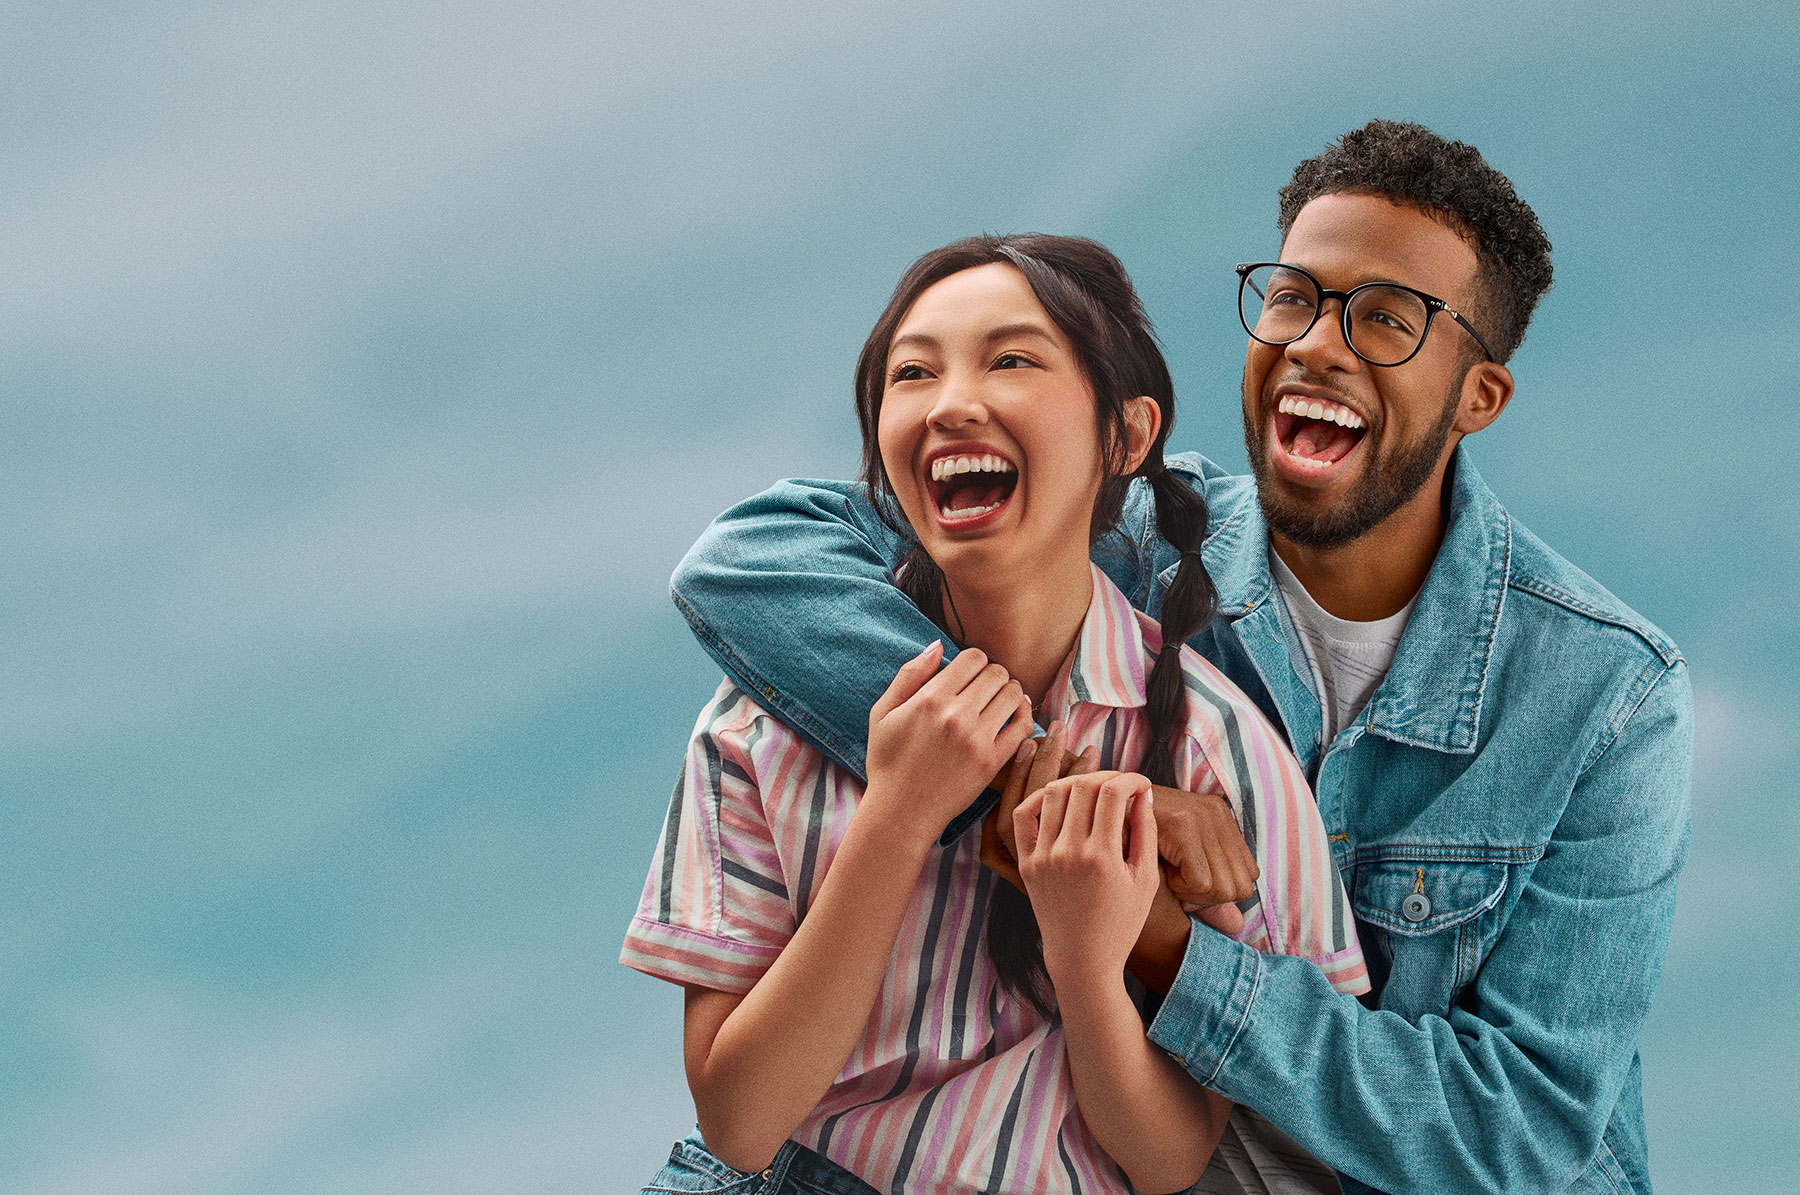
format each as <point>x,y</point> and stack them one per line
<point>1385,323</point>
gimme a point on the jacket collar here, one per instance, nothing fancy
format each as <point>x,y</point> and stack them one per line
<point>1432,693</point>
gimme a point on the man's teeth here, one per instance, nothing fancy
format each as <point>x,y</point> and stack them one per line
<point>945,466</point>
<point>1312,408</point>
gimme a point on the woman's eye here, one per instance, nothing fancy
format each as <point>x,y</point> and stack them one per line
<point>907,373</point>
<point>1012,361</point>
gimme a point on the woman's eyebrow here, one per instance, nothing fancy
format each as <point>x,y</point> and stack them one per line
<point>924,340</point>
<point>1008,331</point>
<point>912,338</point>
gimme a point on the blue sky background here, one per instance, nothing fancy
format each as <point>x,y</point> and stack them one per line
<point>367,367</point>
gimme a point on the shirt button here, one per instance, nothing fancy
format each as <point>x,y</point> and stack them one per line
<point>1416,907</point>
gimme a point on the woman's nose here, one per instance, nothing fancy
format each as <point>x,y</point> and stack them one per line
<point>959,402</point>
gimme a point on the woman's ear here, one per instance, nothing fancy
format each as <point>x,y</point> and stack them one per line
<point>1143,419</point>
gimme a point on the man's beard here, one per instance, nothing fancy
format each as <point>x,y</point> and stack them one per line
<point>1388,483</point>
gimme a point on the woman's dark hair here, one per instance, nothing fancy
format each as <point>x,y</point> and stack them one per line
<point>1088,295</point>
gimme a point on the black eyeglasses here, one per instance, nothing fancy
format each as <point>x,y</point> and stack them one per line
<point>1384,323</point>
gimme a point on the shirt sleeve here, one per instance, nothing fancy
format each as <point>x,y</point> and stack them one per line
<point>715,912</point>
<point>1300,907</point>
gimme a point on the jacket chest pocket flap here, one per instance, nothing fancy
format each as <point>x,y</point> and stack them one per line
<point>1414,897</point>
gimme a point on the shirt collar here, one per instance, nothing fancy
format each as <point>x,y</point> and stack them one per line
<point>1107,665</point>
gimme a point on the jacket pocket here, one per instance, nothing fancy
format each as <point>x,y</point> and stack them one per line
<point>1431,921</point>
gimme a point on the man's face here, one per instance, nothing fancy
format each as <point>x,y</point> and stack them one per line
<point>1385,431</point>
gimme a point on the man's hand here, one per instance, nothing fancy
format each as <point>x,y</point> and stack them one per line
<point>1205,859</point>
<point>1205,862</point>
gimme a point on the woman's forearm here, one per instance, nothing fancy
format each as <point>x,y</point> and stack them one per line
<point>756,1075</point>
<point>1157,1123</point>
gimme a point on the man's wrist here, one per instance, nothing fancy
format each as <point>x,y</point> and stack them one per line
<point>1156,956</point>
<point>1208,1003</point>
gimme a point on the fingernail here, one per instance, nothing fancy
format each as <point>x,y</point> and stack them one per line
<point>928,647</point>
<point>1025,750</point>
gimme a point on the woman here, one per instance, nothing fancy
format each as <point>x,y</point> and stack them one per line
<point>860,1000</point>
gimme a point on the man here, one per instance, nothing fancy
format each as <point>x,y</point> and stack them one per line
<point>1500,748</point>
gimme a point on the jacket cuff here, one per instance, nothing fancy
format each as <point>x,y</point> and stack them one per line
<point>1206,1010</point>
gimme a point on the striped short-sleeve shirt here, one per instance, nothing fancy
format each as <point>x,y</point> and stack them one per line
<point>957,1084</point>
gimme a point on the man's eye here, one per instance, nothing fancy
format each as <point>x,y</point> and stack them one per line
<point>1289,298</point>
<point>1387,319</point>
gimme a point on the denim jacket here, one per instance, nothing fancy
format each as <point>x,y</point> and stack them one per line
<point>1509,813</point>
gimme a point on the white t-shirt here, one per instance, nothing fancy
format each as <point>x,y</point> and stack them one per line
<point>1348,659</point>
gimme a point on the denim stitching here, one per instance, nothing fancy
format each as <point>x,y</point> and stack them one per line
<point>1635,696</point>
<point>758,687</point>
<point>1654,641</point>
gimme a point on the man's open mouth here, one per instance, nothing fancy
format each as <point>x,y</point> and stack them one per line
<point>965,486</point>
<point>1317,433</point>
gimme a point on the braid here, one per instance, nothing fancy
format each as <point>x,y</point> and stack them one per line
<point>1188,606</point>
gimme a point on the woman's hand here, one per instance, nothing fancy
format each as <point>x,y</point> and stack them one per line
<point>1088,856</point>
<point>1035,764</point>
<point>937,735</point>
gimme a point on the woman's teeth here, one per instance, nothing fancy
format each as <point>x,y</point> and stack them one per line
<point>947,466</point>
<point>971,512</point>
<point>1330,412</point>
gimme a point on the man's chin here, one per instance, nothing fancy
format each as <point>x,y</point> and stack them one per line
<point>1303,514</point>
<point>1309,527</point>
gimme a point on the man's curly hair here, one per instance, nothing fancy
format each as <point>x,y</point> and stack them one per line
<point>1408,163</point>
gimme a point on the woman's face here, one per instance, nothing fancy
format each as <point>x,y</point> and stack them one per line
<point>987,430</point>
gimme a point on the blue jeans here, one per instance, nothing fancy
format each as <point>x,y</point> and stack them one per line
<point>796,1170</point>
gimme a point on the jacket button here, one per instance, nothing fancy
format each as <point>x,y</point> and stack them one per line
<point>1416,907</point>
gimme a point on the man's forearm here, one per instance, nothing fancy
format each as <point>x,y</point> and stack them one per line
<point>789,592</point>
<point>1512,1086</point>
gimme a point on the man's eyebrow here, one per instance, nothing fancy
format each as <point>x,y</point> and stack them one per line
<point>1373,278</point>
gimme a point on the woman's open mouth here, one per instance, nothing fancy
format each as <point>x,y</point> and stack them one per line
<point>967,487</point>
<point>1316,434</point>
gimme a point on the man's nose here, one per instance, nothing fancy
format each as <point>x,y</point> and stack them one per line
<point>1324,347</point>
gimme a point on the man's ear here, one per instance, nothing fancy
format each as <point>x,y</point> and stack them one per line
<point>1486,389</point>
<point>1143,419</point>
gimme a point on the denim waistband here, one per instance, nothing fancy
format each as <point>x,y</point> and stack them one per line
<point>797,1170</point>
<point>693,1169</point>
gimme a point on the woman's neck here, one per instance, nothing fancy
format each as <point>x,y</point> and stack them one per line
<point>1030,627</point>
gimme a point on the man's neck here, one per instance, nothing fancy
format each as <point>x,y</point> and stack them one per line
<point>1029,630</point>
<point>1376,574</point>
